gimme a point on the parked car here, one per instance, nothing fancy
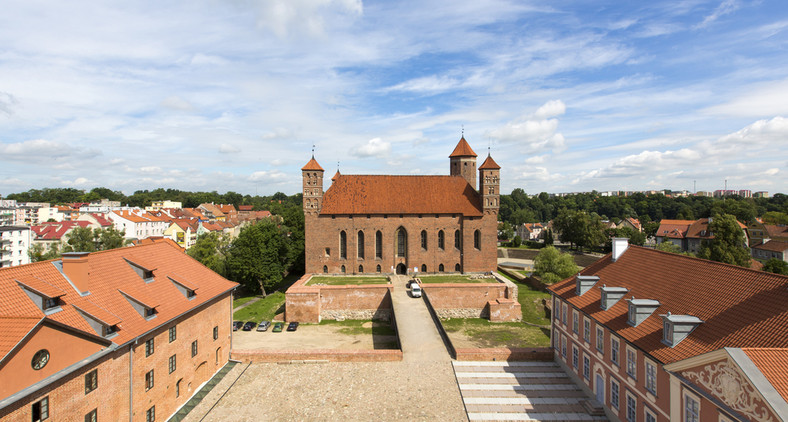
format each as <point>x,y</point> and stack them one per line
<point>249,326</point>
<point>263,326</point>
<point>278,327</point>
<point>292,326</point>
<point>415,290</point>
<point>237,325</point>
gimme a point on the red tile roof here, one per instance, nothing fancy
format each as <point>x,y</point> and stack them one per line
<point>462,149</point>
<point>364,194</point>
<point>676,229</point>
<point>13,330</point>
<point>773,364</point>
<point>700,229</point>
<point>312,165</point>
<point>245,207</point>
<point>773,245</point>
<point>776,230</point>
<point>489,164</point>
<point>56,230</point>
<point>740,307</point>
<point>40,286</point>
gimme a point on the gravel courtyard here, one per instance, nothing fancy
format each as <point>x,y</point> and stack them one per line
<point>390,391</point>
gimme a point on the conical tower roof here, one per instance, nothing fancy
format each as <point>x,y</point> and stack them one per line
<point>312,165</point>
<point>489,164</point>
<point>462,149</point>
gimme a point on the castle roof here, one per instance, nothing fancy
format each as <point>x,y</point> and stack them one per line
<point>376,194</point>
<point>312,165</point>
<point>489,164</point>
<point>462,149</point>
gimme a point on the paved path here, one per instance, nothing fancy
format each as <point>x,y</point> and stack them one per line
<point>255,299</point>
<point>417,332</point>
<point>523,391</point>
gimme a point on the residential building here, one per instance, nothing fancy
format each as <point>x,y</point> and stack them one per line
<point>137,224</point>
<point>760,194</point>
<point>49,234</point>
<point>689,235</point>
<point>529,231</point>
<point>382,223</point>
<point>183,232</point>
<point>771,249</point>
<point>632,223</point>
<point>158,205</point>
<point>14,244</point>
<point>125,334</point>
<point>655,336</point>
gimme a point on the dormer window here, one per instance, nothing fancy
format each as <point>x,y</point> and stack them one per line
<point>667,331</point>
<point>149,312</point>
<point>611,295</point>
<point>584,283</point>
<point>51,302</point>
<point>676,328</point>
<point>109,330</point>
<point>640,309</point>
<point>145,273</point>
<point>186,287</point>
<point>146,310</point>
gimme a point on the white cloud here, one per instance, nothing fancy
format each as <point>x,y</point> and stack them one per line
<point>551,108</point>
<point>175,102</point>
<point>536,159</point>
<point>268,176</point>
<point>535,132</point>
<point>725,8</point>
<point>375,147</point>
<point>228,149</point>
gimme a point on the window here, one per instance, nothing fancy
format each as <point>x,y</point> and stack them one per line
<point>343,244</point>
<point>575,321</point>
<point>402,242</point>
<point>194,348</point>
<point>575,357</point>
<point>361,268</point>
<point>92,416</point>
<point>440,268</point>
<point>587,330</point>
<point>172,365</point>
<point>614,399</point>
<point>91,381</point>
<point>328,251</point>
<point>325,269</point>
<point>614,351</point>
<point>563,313</point>
<point>150,414</point>
<point>632,408</point>
<point>50,303</point>
<point>378,245</point>
<point>600,340</point>
<point>457,240</point>
<point>441,240</point>
<point>342,269</point>
<point>216,332</point>
<point>40,410</point>
<point>178,388</point>
<point>650,416</point>
<point>563,346</point>
<point>149,347</point>
<point>377,269</point>
<point>173,334</point>
<point>149,380</point>
<point>651,378</point>
<point>691,409</point>
<point>424,239</point>
<point>667,332</point>
<point>477,239</point>
<point>632,364</point>
<point>424,268</point>
<point>586,367</point>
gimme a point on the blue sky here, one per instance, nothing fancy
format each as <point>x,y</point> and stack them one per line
<point>231,95</point>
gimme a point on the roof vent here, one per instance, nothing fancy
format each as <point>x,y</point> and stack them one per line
<point>585,283</point>
<point>620,244</point>
<point>640,309</point>
<point>611,295</point>
<point>677,327</point>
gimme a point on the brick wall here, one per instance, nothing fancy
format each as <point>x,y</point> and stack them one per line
<point>463,295</point>
<point>308,303</point>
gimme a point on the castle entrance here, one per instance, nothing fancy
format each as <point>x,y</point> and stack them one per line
<point>402,269</point>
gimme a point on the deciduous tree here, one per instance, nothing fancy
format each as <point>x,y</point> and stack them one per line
<point>552,265</point>
<point>728,245</point>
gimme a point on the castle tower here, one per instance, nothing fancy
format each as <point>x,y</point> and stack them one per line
<point>312,175</point>
<point>490,184</point>
<point>462,162</point>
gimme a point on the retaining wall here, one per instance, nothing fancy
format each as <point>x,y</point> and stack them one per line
<point>313,303</point>
<point>317,355</point>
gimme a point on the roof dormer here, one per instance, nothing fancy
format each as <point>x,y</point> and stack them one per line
<point>585,283</point>
<point>146,310</point>
<point>611,295</point>
<point>640,309</point>
<point>677,327</point>
<point>43,294</point>
<point>144,272</point>
<point>186,287</point>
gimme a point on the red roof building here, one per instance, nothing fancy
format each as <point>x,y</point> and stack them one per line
<point>659,336</point>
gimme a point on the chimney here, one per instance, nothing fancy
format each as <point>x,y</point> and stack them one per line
<point>75,267</point>
<point>620,244</point>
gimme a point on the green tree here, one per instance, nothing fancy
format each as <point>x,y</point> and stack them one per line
<point>211,250</point>
<point>775,217</point>
<point>80,239</point>
<point>548,237</point>
<point>668,246</point>
<point>37,252</point>
<point>728,244</point>
<point>776,265</point>
<point>110,238</point>
<point>258,258</point>
<point>553,265</point>
<point>517,241</point>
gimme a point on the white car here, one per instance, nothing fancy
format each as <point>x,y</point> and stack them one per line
<point>415,289</point>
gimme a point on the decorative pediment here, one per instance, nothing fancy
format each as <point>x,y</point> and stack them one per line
<point>726,381</point>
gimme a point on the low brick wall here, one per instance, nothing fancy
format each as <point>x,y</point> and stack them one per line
<point>312,303</point>
<point>505,310</point>
<point>505,354</point>
<point>470,300</point>
<point>383,355</point>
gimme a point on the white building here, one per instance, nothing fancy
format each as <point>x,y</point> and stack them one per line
<point>138,225</point>
<point>14,243</point>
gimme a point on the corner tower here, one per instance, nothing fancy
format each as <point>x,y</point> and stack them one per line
<point>490,185</point>
<point>312,176</point>
<point>462,162</point>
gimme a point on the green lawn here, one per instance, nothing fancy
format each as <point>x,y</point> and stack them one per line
<point>531,302</point>
<point>241,300</point>
<point>263,309</point>
<point>498,334</point>
<point>340,281</point>
<point>458,278</point>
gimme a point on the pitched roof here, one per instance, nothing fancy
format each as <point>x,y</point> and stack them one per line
<point>13,330</point>
<point>740,307</point>
<point>674,228</point>
<point>772,364</point>
<point>245,207</point>
<point>776,230</point>
<point>40,286</point>
<point>700,229</point>
<point>489,164</point>
<point>462,149</point>
<point>312,165</point>
<point>773,245</point>
<point>365,194</point>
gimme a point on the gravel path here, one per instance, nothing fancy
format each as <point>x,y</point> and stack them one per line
<point>390,391</point>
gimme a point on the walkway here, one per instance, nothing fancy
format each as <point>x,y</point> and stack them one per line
<point>523,391</point>
<point>418,334</point>
<point>197,398</point>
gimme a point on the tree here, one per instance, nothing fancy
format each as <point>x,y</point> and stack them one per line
<point>505,231</point>
<point>80,239</point>
<point>775,217</point>
<point>548,237</point>
<point>517,241</point>
<point>211,250</point>
<point>36,252</point>
<point>258,258</point>
<point>728,244</point>
<point>553,265</point>
<point>776,265</point>
<point>668,246</point>
<point>110,238</point>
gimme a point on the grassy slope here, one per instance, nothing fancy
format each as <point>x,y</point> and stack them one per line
<point>263,309</point>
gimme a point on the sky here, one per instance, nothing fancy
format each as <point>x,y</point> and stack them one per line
<point>233,95</point>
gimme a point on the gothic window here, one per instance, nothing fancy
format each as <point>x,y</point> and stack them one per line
<point>457,240</point>
<point>457,267</point>
<point>424,239</point>
<point>424,268</point>
<point>440,268</point>
<point>378,245</point>
<point>378,268</point>
<point>441,240</point>
<point>325,269</point>
<point>342,244</point>
<point>361,244</point>
<point>342,269</point>
<point>361,268</point>
<point>402,242</point>
<point>477,239</point>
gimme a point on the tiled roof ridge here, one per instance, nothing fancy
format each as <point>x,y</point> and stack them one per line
<point>699,259</point>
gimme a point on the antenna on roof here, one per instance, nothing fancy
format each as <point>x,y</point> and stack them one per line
<point>313,150</point>
<point>463,130</point>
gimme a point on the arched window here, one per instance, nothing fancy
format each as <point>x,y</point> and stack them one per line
<point>440,268</point>
<point>424,239</point>
<point>342,268</point>
<point>457,267</point>
<point>457,240</point>
<point>360,244</point>
<point>343,245</point>
<point>402,242</point>
<point>378,268</point>
<point>325,269</point>
<point>378,246</point>
<point>424,268</point>
<point>361,268</point>
<point>477,239</point>
<point>441,240</point>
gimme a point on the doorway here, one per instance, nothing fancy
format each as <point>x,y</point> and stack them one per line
<point>402,269</point>
<point>600,389</point>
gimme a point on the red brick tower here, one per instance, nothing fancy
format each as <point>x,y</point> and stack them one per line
<point>312,175</point>
<point>489,185</point>
<point>462,162</point>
